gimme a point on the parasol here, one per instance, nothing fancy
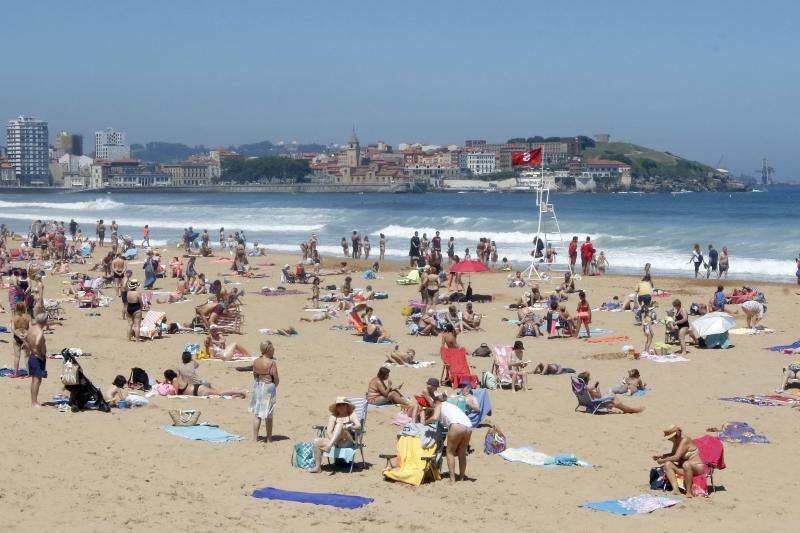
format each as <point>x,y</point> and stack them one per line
<point>713,324</point>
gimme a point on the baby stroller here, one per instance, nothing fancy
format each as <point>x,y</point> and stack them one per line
<point>81,389</point>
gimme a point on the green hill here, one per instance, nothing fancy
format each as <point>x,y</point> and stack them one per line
<point>646,162</point>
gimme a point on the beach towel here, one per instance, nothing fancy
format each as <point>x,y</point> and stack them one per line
<point>770,400</point>
<point>529,456</point>
<point>673,358</point>
<point>417,364</point>
<point>280,293</point>
<point>9,373</point>
<point>485,403</point>
<point>795,345</point>
<point>410,463</point>
<point>201,432</point>
<point>222,260</point>
<point>741,432</point>
<point>644,503</point>
<point>750,331</point>
<point>597,332</point>
<point>342,501</point>
<point>151,323</point>
<point>607,339</point>
<point>640,392</point>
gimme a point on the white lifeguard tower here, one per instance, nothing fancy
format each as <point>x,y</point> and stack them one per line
<point>548,236</point>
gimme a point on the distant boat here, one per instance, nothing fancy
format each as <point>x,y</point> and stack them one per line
<point>758,190</point>
<point>682,191</point>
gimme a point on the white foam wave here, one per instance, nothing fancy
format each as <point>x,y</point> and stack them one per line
<point>101,204</point>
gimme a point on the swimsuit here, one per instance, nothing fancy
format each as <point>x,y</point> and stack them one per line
<point>133,307</point>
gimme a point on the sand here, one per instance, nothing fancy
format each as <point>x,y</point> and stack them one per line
<point>92,471</point>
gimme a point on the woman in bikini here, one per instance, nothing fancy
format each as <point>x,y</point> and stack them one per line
<point>133,310</point>
<point>216,346</point>
<point>265,382</point>
<point>684,457</point>
<point>430,288</point>
<point>630,384</point>
<point>20,322</point>
<point>183,387</point>
<point>583,316</point>
<point>381,392</point>
<point>594,392</point>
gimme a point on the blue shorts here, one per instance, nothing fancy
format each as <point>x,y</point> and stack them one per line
<point>37,367</point>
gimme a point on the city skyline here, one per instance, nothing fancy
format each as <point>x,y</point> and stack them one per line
<point>680,77</point>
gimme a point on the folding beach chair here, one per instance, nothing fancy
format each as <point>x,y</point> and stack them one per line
<point>504,375</point>
<point>231,320</point>
<point>456,370</point>
<point>585,400</point>
<point>712,453</point>
<point>413,469</point>
<point>355,319</point>
<point>150,326</point>
<point>348,453</point>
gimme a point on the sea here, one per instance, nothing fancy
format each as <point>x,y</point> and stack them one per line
<point>760,229</point>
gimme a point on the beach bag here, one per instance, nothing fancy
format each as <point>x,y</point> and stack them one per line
<point>482,351</point>
<point>488,381</point>
<point>303,456</point>
<point>407,311</point>
<point>658,479</point>
<point>139,379</point>
<point>495,442</point>
<point>183,417</point>
<point>69,374</point>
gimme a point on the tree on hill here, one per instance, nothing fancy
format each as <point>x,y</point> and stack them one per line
<point>264,169</point>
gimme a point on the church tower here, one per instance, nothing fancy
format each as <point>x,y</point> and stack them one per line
<point>353,152</point>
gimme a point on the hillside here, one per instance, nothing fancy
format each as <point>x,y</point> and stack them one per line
<point>657,170</point>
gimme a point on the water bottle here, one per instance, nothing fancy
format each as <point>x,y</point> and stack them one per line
<point>122,404</point>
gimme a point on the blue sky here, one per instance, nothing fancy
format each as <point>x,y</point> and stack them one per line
<point>700,79</point>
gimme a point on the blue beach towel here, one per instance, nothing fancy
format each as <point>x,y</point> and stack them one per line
<point>8,372</point>
<point>644,503</point>
<point>476,417</point>
<point>202,432</point>
<point>792,346</point>
<point>342,501</point>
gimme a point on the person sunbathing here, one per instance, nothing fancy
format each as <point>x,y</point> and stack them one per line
<point>319,316</point>
<point>453,319</point>
<point>594,392</point>
<point>217,347</point>
<point>613,305</point>
<point>791,377</point>
<point>551,369</point>
<point>407,358</point>
<point>470,319</point>
<point>684,457</point>
<point>115,392</point>
<point>339,431</point>
<point>381,392</point>
<point>529,324</point>
<point>183,387</point>
<point>375,332</point>
<point>630,384</point>
<point>427,324</point>
<point>569,283</point>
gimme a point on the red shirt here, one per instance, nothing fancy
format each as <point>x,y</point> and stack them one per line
<point>573,249</point>
<point>587,250</point>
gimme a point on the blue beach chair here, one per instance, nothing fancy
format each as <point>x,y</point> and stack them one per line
<point>585,400</point>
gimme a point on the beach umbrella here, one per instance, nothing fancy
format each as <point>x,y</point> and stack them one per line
<point>713,324</point>
<point>469,267</point>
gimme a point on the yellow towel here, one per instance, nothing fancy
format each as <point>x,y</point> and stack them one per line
<point>410,464</point>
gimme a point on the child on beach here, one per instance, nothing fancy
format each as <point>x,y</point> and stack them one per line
<point>602,263</point>
<point>315,290</point>
<point>648,319</point>
<point>583,314</point>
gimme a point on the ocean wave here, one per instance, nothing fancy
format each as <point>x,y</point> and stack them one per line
<point>101,204</point>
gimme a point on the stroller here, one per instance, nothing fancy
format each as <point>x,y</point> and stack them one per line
<point>84,390</point>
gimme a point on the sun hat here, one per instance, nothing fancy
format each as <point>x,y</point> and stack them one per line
<point>671,431</point>
<point>341,400</point>
<point>133,284</point>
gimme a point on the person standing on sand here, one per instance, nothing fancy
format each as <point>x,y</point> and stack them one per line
<point>459,433</point>
<point>265,382</point>
<point>382,247</point>
<point>36,346</point>
<point>221,238</point>
<point>146,236</point>
<point>587,252</point>
<point>436,242</point>
<point>118,271</point>
<point>20,323</point>
<point>355,243</point>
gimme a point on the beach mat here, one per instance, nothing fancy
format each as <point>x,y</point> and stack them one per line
<point>741,432</point>
<point>664,358</point>
<point>769,400</point>
<point>287,292</point>
<point>644,503</point>
<point>202,432</point>
<point>342,501</point>
<point>9,373</point>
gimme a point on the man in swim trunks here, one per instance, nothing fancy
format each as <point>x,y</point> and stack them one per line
<point>118,272</point>
<point>34,342</point>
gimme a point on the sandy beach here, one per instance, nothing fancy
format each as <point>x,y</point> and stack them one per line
<point>92,471</point>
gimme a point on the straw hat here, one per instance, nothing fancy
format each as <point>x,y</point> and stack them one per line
<point>341,400</point>
<point>133,284</point>
<point>671,431</point>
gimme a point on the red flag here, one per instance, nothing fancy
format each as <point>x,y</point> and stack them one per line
<point>534,157</point>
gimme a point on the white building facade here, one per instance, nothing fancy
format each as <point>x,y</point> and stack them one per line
<point>28,150</point>
<point>111,145</point>
<point>481,162</point>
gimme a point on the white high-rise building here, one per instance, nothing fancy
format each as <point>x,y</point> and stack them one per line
<point>28,150</point>
<point>481,162</point>
<point>111,145</point>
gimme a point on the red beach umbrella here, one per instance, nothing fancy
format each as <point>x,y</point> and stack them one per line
<point>469,266</point>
